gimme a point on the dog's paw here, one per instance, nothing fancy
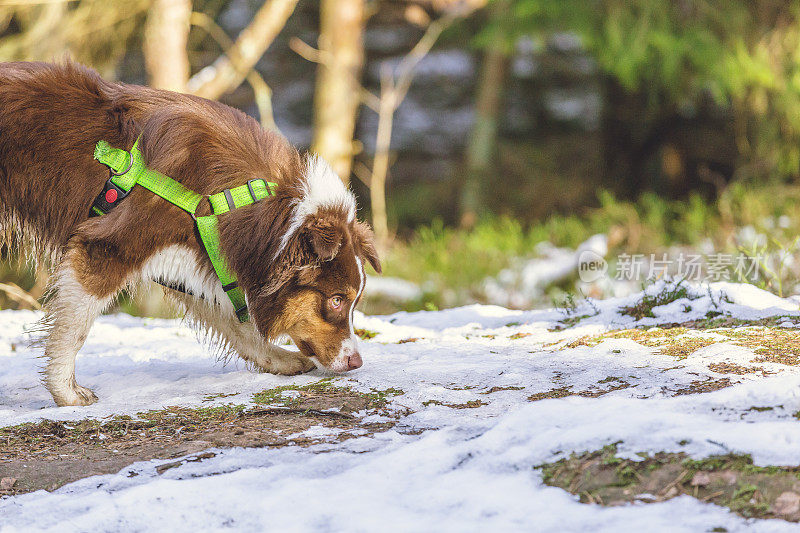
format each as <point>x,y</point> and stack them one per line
<point>303,365</point>
<point>75,395</point>
<point>277,360</point>
<point>286,366</point>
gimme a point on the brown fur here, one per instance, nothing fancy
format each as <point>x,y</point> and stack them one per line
<point>51,117</point>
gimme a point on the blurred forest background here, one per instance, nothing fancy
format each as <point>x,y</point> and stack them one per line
<point>491,142</point>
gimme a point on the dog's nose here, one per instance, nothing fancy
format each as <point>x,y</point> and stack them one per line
<point>354,361</point>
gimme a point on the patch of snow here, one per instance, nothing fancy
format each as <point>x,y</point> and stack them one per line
<point>441,468</point>
<point>520,285</point>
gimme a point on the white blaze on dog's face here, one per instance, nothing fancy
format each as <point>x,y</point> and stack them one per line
<point>317,306</point>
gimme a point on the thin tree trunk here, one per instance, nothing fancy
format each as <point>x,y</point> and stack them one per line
<point>337,94</point>
<point>48,41</point>
<point>230,70</point>
<point>483,139</point>
<point>166,34</point>
<point>380,166</point>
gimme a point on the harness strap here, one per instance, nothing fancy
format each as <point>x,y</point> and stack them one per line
<point>128,169</point>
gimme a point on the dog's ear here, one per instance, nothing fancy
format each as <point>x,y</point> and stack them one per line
<point>365,239</point>
<point>325,235</point>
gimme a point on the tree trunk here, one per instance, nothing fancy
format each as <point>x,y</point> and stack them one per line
<point>337,93</point>
<point>380,166</point>
<point>48,40</point>
<point>483,139</point>
<point>166,35</point>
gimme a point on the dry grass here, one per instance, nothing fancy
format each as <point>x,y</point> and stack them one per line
<point>677,342</point>
<point>769,344</point>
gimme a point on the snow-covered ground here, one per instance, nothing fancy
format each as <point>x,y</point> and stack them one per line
<point>441,468</point>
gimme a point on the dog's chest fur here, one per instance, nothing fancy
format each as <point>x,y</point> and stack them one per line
<point>179,267</point>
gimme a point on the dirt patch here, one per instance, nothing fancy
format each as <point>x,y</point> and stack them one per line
<point>772,345</point>
<point>49,454</point>
<point>560,392</point>
<point>603,387</point>
<point>704,385</point>
<point>610,384</point>
<point>732,481</point>
<point>325,394</point>
<point>733,368</point>
<point>472,404</point>
<point>714,321</point>
<point>498,389</point>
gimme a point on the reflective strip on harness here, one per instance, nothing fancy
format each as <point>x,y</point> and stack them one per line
<point>128,169</point>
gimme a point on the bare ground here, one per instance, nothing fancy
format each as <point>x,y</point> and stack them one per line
<point>49,454</point>
<point>731,481</point>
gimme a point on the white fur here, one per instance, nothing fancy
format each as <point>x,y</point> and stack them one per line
<point>71,314</point>
<point>180,265</point>
<point>350,345</point>
<point>242,338</point>
<point>362,282</point>
<point>321,188</point>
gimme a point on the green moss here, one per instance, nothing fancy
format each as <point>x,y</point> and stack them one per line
<point>608,455</point>
<point>626,475</point>
<point>277,396</point>
<point>745,501</point>
<point>569,322</point>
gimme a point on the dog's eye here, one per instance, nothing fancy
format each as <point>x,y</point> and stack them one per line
<point>336,302</point>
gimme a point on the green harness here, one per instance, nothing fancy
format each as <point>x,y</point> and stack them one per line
<point>128,169</point>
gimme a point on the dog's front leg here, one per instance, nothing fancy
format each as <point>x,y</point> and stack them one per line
<point>244,339</point>
<point>69,315</point>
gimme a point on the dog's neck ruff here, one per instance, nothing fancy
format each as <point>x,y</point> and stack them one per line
<point>128,169</point>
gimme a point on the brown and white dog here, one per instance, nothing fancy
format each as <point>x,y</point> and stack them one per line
<point>299,255</point>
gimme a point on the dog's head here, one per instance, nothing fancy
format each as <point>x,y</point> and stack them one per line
<point>302,263</point>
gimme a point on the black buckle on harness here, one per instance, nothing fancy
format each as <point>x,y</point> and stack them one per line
<point>110,197</point>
